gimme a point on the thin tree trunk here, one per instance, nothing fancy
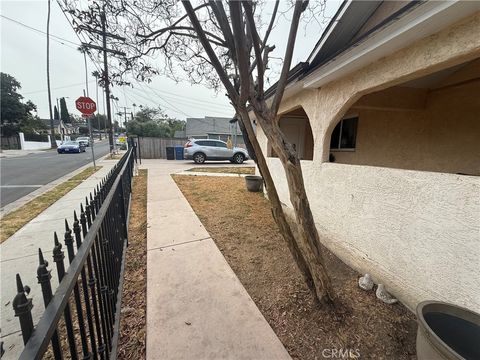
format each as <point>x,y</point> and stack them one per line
<point>308,239</point>
<point>53,142</point>
<point>277,210</point>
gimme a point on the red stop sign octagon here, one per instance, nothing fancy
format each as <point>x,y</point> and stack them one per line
<point>85,105</point>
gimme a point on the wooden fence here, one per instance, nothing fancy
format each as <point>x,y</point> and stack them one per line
<point>156,148</point>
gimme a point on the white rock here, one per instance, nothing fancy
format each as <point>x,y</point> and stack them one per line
<point>384,295</point>
<point>365,282</point>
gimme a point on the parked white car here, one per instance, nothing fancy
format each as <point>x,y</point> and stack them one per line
<point>207,149</point>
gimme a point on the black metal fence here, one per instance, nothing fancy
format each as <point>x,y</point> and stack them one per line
<point>82,318</point>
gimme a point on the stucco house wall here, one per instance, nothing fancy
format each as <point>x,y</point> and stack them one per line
<point>443,136</point>
<point>418,232</point>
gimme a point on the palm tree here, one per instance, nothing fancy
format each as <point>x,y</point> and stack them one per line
<point>53,142</point>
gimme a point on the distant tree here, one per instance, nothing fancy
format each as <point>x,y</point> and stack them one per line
<point>83,130</point>
<point>99,121</point>
<point>56,115</point>
<point>64,115</point>
<point>153,122</point>
<point>14,113</point>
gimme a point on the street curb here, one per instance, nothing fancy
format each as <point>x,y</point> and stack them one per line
<point>34,194</point>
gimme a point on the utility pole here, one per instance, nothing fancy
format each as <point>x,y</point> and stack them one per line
<point>124,113</point>
<point>98,107</point>
<point>105,50</point>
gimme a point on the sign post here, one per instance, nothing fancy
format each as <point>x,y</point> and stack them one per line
<point>87,107</point>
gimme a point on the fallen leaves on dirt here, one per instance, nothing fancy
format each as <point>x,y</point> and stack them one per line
<point>132,342</point>
<point>243,228</point>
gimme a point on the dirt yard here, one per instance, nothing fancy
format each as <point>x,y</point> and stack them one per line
<point>226,169</point>
<point>243,228</point>
<point>132,342</point>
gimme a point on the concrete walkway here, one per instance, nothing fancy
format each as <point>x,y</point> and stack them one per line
<point>19,254</point>
<point>196,306</point>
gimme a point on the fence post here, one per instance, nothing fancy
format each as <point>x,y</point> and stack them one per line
<point>21,136</point>
<point>44,276</point>
<point>81,324</point>
<point>23,309</point>
<point>58,257</point>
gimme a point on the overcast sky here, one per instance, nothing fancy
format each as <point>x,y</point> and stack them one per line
<point>23,55</point>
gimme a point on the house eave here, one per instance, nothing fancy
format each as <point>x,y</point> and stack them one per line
<point>421,22</point>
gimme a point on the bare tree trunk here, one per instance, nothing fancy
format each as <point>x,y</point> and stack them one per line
<point>305,247</point>
<point>308,239</point>
<point>277,210</point>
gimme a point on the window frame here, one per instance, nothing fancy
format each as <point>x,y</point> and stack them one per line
<point>339,149</point>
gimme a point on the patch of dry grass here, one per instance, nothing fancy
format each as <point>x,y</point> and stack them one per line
<point>132,341</point>
<point>13,221</point>
<point>226,169</point>
<point>242,226</point>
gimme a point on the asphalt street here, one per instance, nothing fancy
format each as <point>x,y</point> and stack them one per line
<point>21,175</point>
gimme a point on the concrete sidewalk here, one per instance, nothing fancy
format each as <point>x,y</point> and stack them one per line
<point>196,306</point>
<point>19,254</point>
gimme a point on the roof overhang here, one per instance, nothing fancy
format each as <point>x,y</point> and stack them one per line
<point>421,21</point>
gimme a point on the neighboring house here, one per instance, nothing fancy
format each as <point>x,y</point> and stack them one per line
<point>60,127</point>
<point>212,128</point>
<point>385,114</point>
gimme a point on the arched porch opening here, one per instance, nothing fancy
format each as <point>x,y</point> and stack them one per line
<point>295,125</point>
<point>431,123</point>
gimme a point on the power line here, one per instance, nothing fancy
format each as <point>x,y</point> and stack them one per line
<point>181,111</point>
<point>53,37</point>
<point>155,102</point>
<point>81,40</point>
<point>183,100</point>
<point>56,88</point>
<point>191,98</point>
<point>148,98</point>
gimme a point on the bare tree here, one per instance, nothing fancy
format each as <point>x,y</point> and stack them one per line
<point>220,44</point>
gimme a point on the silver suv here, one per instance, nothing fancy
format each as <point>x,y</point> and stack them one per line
<point>208,149</point>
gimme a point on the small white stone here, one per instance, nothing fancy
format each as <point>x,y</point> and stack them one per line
<point>365,282</point>
<point>384,295</point>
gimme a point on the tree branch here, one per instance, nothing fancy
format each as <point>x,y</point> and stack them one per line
<point>221,16</point>
<point>209,50</point>
<point>282,82</point>
<point>242,56</point>
<point>256,45</point>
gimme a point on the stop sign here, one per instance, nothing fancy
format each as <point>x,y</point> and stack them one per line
<point>85,105</point>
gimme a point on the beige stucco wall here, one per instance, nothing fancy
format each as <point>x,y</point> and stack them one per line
<point>416,231</point>
<point>443,136</point>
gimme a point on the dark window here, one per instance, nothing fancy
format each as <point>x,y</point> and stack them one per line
<point>201,143</point>
<point>344,135</point>
<point>220,144</point>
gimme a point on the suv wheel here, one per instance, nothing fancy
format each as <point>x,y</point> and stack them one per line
<point>199,158</point>
<point>238,158</point>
